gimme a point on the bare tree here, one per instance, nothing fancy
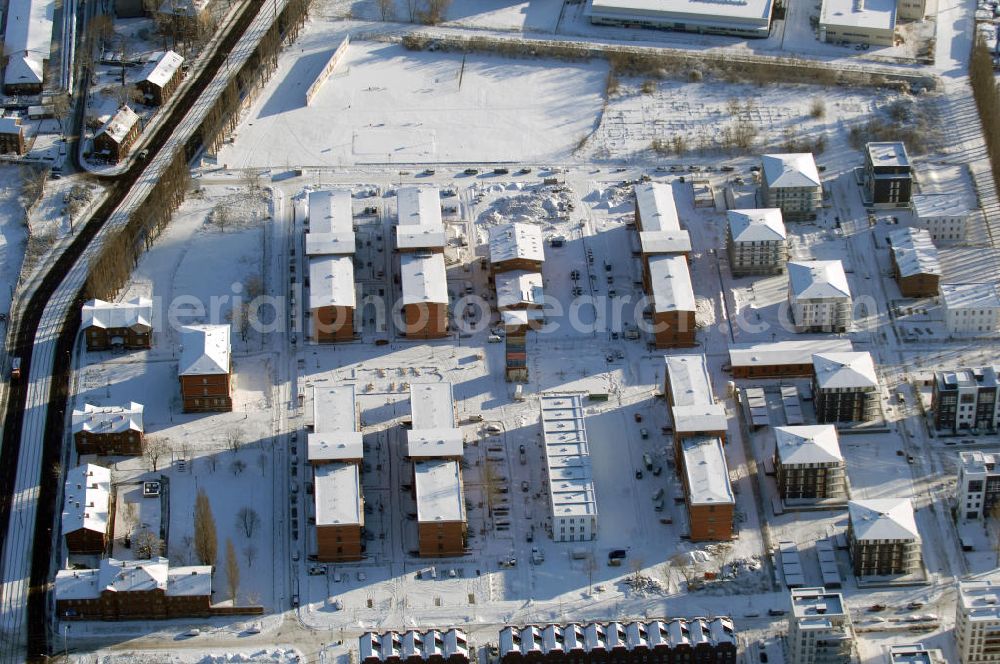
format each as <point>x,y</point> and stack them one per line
<point>237,466</point>
<point>100,29</point>
<point>232,570</point>
<point>130,517</point>
<point>435,12</point>
<point>221,216</point>
<point>248,520</point>
<point>387,9</point>
<point>60,107</point>
<point>262,463</point>
<point>636,565</point>
<point>206,545</point>
<point>147,545</point>
<point>213,462</point>
<point>234,438</point>
<point>250,553</point>
<point>154,449</point>
<point>591,566</point>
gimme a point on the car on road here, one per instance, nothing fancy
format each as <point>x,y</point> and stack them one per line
<point>638,474</point>
<point>471,171</point>
<point>525,486</point>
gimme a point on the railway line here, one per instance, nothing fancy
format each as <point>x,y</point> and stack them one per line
<point>46,327</point>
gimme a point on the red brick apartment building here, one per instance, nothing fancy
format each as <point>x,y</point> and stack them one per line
<point>425,295</point>
<point>86,519</point>
<point>109,430</point>
<point>115,138</point>
<point>329,246</point>
<point>161,77</point>
<point>412,647</point>
<point>109,325</point>
<point>205,368</point>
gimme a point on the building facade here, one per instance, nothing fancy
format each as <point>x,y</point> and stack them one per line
<point>708,493</point>
<point>819,297</point>
<point>205,368</point>
<point>978,485</point>
<point>911,10</point>
<point>572,499</point>
<point>971,309</point>
<point>915,262</point>
<point>756,242</point>
<point>750,19</point>
<point>127,325</point>
<point>779,359</point>
<point>412,647</point>
<point>11,136</point>
<point>114,139</point>
<point>329,248</point>
<point>86,509</point>
<point>791,182</point>
<point>819,628</point>
<point>888,173</point>
<point>425,295</point>
<point>108,430</point>
<point>845,387</point>
<point>161,78</point>
<point>810,468</point>
<point>871,22</point>
<point>966,400</point>
<point>977,621</point>
<point>944,216</point>
<point>882,537</point>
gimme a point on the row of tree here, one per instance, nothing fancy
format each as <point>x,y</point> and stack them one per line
<point>206,544</point>
<point>987,96</point>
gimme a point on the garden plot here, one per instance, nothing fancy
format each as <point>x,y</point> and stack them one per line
<point>388,105</point>
<point>698,115</point>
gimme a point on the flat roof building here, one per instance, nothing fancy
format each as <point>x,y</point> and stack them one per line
<point>433,434</point>
<point>977,621</point>
<point>329,246</point>
<point>978,486</point>
<point>519,289</point>
<point>775,359</point>
<point>441,517</point>
<point>693,409</point>
<point>419,227</point>
<point>340,513</point>
<point>425,295</point>
<point>657,220</point>
<point>336,435</point>
<point>945,216</point>
<point>858,21</point>
<point>572,499</point>
<point>751,18</point>
<point>674,306</point>
<point>819,628</point>
<point>915,653</point>
<point>707,490</point>
<point>966,399</point>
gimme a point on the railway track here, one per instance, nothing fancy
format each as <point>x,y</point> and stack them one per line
<point>22,343</point>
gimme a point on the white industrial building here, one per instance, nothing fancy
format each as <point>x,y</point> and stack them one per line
<point>944,216</point>
<point>971,309</point>
<point>819,628</point>
<point>858,21</point>
<point>819,297</point>
<point>791,182</point>
<point>750,18</point>
<point>420,227</point>
<point>572,500</point>
<point>977,621</point>
<point>756,242</point>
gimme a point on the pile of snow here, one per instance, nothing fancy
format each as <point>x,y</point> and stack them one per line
<point>532,207</point>
<point>705,311</point>
<point>644,585</point>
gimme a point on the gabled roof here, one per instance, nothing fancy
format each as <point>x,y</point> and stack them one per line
<point>940,205</point>
<point>11,125</point>
<point>706,471</point>
<point>883,519</point>
<point>108,419</point>
<point>205,350</point>
<point>87,499</point>
<point>134,576</point>
<point>670,283</point>
<point>136,314</point>
<point>760,225</point>
<point>27,40</point>
<point>970,296</point>
<point>855,369</point>
<point>118,127</point>
<point>657,208</point>
<point>519,288</point>
<point>790,170</point>
<point>517,241</point>
<point>914,252</point>
<point>814,280</point>
<point>423,278</point>
<point>419,218</point>
<point>24,68</point>
<point>331,282</point>
<point>160,70</point>
<point>808,444</point>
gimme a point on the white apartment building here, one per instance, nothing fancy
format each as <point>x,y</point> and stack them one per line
<point>978,485</point>
<point>971,309</point>
<point>944,216</point>
<point>915,653</point>
<point>977,621</point>
<point>756,242</point>
<point>858,21</point>
<point>819,628</point>
<point>572,500</point>
<point>818,296</point>
<point>791,182</point>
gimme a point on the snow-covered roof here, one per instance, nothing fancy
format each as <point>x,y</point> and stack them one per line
<point>335,435</point>
<point>818,280</point>
<point>134,576</point>
<point>883,519</point>
<point>190,8</point>
<point>337,494</point>
<point>688,378</point>
<point>434,443</point>
<point>747,15</point>
<point>87,498</point>
<point>940,205</point>
<point>792,351</point>
<point>517,241</point>
<point>432,405</point>
<point>914,252</point>
<point>792,170</point>
<point>331,282</point>
<point>914,653</point>
<point>706,471</point>
<point>567,456</point>
<point>885,153</point>
<point>438,488</point>
<point>670,284</point>
<point>664,242</point>
<point>657,210</point>
<point>120,124</point>
<point>331,223</point>
<point>160,70</point>
<point>866,15</point>
<point>519,289</point>
<point>420,225</point>
<point>204,350</point>
<point>10,125</point>
<point>136,314</point>
<point>762,225</point>
<point>27,40</point>
<point>816,602</point>
<point>980,600</point>
<point>702,418</point>
<point>808,444</point>
<point>970,296</point>
<point>423,278</point>
<point>519,317</point>
<point>108,419</point>
<point>855,370</point>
